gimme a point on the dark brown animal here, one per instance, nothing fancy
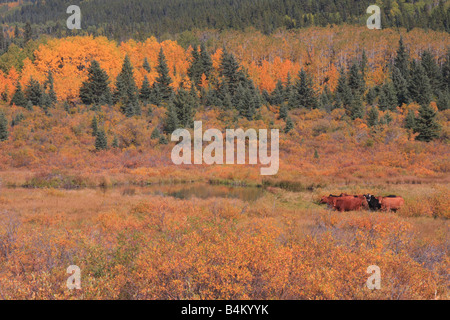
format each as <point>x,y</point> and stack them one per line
<point>350,203</point>
<point>391,203</point>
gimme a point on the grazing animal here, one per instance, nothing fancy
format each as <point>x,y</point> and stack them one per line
<point>374,203</point>
<point>350,203</point>
<point>331,199</point>
<point>391,203</point>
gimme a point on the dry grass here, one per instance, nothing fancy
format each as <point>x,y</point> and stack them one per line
<point>132,245</point>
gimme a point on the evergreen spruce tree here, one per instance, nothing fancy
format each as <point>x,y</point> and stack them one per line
<point>401,87</point>
<point>410,120</point>
<point>304,95</point>
<point>100,140</point>
<point>372,117</point>
<point>33,92</point>
<point>17,119</point>
<point>419,85</point>
<point>443,100</point>
<point>246,100</point>
<point>94,126</point>
<point>446,72</point>
<point>45,102</point>
<point>356,79</point>
<point>126,90</point>
<point>356,108</point>
<point>16,32</point>
<point>50,86</point>
<point>195,69</point>
<point>388,97</point>
<point>155,134</point>
<point>115,142</point>
<point>96,87</point>
<point>343,93</point>
<point>146,65</point>
<point>289,125</point>
<point>19,98</point>
<point>283,112</point>
<point>4,133</point>
<point>29,106</point>
<point>316,154</point>
<point>185,105</point>
<point>288,88</point>
<point>28,33</point>
<point>206,61</point>
<point>277,95</point>
<point>163,81</point>
<point>371,95</point>
<point>229,72</point>
<point>171,121</point>
<point>326,99</point>
<point>426,124</point>
<point>432,71</point>
<point>387,119</point>
<point>363,64</point>
<point>146,91</point>
<point>401,61</point>
<point>106,98</point>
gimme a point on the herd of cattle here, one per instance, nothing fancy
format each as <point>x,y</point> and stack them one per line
<point>345,202</point>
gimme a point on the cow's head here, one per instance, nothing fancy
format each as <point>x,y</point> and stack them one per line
<point>373,202</point>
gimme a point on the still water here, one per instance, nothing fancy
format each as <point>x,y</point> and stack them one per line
<point>201,191</point>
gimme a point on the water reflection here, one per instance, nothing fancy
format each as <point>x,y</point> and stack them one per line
<point>205,191</point>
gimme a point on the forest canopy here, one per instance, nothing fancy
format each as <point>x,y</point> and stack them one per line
<point>142,18</point>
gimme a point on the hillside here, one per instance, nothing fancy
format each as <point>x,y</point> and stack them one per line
<point>342,112</point>
<point>142,18</point>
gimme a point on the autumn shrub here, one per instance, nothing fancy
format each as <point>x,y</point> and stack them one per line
<point>56,180</point>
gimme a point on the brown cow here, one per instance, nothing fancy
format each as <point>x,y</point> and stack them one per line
<point>331,199</point>
<point>350,203</point>
<point>392,203</point>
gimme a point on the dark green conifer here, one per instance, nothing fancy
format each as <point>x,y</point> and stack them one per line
<point>96,87</point>
<point>419,85</point>
<point>100,140</point>
<point>289,125</point>
<point>4,130</point>
<point>426,124</point>
<point>94,126</point>
<point>146,91</point>
<point>388,97</point>
<point>372,117</point>
<point>126,90</point>
<point>33,92</point>
<point>163,81</point>
<point>304,95</point>
<point>410,120</point>
<point>19,98</point>
<point>146,66</point>
<point>171,121</point>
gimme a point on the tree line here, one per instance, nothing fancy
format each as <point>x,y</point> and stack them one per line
<point>139,19</point>
<point>421,81</point>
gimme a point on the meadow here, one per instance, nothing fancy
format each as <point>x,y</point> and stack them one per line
<point>133,245</point>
